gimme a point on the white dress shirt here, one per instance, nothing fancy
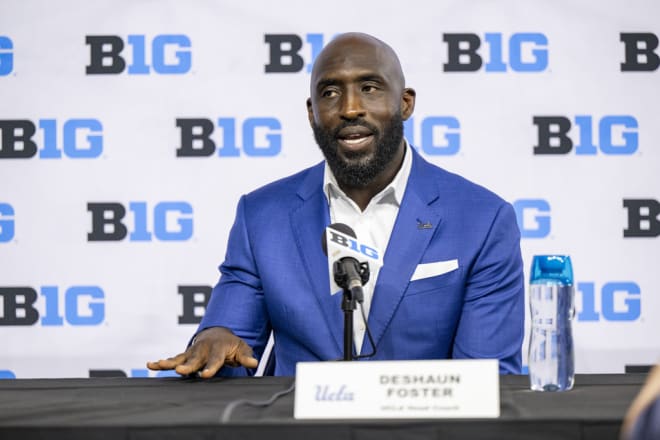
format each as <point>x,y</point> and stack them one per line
<point>373,226</point>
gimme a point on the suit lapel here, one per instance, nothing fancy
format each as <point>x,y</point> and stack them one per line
<point>308,223</point>
<point>406,246</point>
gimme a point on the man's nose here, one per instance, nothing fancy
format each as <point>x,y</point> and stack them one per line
<point>352,107</point>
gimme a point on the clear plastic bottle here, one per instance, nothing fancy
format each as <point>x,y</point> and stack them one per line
<point>551,354</point>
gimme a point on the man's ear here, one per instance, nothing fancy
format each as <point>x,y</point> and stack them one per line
<point>310,112</point>
<point>408,102</point>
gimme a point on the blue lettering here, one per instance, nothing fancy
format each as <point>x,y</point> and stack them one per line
<point>631,292</point>
<point>96,308</point>
<point>630,137</point>
<point>539,53</point>
<point>6,222</point>
<point>540,226</point>
<point>183,57</point>
<point>185,223</point>
<point>274,140</point>
<point>6,56</point>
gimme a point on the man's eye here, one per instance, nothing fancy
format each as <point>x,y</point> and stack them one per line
<point>329,93</point>
<point>368,88</point>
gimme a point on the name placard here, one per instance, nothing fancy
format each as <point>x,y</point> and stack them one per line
<point>461,388</point>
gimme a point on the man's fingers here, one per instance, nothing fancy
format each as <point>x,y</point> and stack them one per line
<point>247,360</point>
<point>215,362</point>
<point>194,363</point>
<point>167,364</point>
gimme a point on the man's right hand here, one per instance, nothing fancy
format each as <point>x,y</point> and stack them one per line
<point>212,348</point>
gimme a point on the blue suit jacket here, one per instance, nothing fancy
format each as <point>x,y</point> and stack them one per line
<point>275,275</point>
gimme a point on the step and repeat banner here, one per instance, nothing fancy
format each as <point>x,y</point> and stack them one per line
<point>129,130</point>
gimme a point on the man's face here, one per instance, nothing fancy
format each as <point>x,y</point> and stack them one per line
<point>356,109</point>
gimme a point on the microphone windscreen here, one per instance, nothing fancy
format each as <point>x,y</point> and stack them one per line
<point>340,227</point>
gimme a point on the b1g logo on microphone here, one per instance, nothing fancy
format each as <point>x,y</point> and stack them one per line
<point>170,55</point>
<point>171,221</point>
<point>643,218</point>
<point>194,301</point>
<point>6,56</point>
<point>527,52</point>
<point>616,301</point>
<point>533,217</point>
<point>640,52</point>
<point>617,135</point>
<point>439,135</point>
<point>72,138</point>
<point>52,306</point>
<point>284,52</point>
<point>261,137</point>
<point>6,222</point>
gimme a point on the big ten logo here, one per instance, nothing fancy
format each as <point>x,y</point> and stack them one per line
<point>170,54</point>
<point>352,244</point>
<point>170,221</point>
<point>6,56</point>
<point>7,374</point>
<point>77,306</point>
<point>527,52</point>
<point>6,222</point>
<point>284,52</point>
<point>261,137</point>
<point>439,135</point>
<point>643,218</point>
<point>80,139</point>
<point>533,217</point>
<point>133,372</point>
<point>640,55</point>
<point>194,301</point>
<point>616,301</point>
<point>617,135</point>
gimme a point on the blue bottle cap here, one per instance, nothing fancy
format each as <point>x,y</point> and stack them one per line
<point>555,269</point>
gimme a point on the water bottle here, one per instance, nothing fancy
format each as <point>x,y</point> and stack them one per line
<point>551,356</point>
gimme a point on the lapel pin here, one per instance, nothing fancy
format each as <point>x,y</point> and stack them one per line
<point>424,225</point>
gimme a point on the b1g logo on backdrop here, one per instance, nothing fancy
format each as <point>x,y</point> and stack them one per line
<point>284,52</point>
<point>616,301</point>
<point>527,52</point>
<point>640,52</point>
<point>617,135</point>
<point>6,222</point>
<point>194,300</point>
<point>643,218</point>
<point>72,138</point>
<point>6,56</point>
<point>52,306</point>
<point>163,54</point>
<point>168,221</point>
<point>533,217</point>
<point>261,137</point>
<point>133,372</point>
<point>439,135</point>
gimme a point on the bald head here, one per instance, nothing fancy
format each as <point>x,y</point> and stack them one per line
<point>355,49</point>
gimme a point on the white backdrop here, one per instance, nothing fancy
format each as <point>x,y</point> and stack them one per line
<point>73,304</point>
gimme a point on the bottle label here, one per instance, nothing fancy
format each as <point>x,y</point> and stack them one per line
<point>543,300</point>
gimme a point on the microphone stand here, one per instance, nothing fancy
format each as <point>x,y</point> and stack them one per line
<point>348,305</point>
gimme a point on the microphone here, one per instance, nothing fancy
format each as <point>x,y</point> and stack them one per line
<point>348,272</point>
<point>344,253</point>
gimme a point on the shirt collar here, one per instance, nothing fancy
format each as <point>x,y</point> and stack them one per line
<point>392,193</point>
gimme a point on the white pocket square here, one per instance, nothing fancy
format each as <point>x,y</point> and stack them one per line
<point>427,270</point>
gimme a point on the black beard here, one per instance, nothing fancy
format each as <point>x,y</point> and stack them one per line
<point>362,172</point>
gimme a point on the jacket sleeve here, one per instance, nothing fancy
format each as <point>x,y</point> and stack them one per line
<point>237,300</point>
<point>491,324</point>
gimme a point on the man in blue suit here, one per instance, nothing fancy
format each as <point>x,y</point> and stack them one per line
<point>451,284</point>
